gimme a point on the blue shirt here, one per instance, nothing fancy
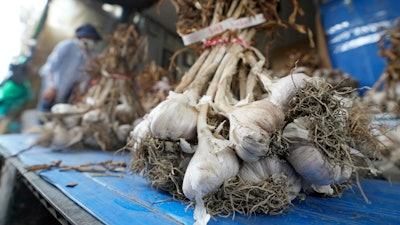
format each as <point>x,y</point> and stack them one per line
<point>66,62</point>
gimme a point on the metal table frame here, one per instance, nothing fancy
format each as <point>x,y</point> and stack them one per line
<point>66,211</point>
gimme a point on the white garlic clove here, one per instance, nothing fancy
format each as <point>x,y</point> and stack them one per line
<point>297,131</point>
<point>185,146</point>
<point>174,118</point>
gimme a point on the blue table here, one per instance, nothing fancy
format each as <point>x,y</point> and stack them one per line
<point>130,199</point>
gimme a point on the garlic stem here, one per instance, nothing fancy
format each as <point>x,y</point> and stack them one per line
<point>250,84</point>
<point>191,74</point>
<point>243,83</point>
<point>226,71</point>
<point>202,78</point>
<point>232,8</point>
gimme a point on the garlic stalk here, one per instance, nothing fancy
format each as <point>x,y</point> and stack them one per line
<point>190,75</point>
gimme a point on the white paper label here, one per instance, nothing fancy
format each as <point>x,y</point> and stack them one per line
<point>221,27</point>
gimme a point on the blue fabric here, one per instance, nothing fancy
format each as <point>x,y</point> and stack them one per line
<point>131,200</point>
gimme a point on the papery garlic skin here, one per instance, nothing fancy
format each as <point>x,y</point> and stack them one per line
<point>308,161</point>
<point>122,132</point>
<point>64,108</point>
<point>251,127</point>
<point>174,118</point>
<point>284,89</point>
<point>124,113</point>
<point>316,168</point>
<point>95,116</point>
<point>141,129</point>
<point>213,162</point>
<point>207,171</point>
<point>255,172</point>
<point>63,138</point>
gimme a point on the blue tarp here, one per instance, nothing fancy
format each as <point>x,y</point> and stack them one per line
<point>131,200</point>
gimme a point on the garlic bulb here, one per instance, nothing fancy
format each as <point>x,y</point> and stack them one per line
<point>124,113</point>
<point>141,129</point>
<point>63,138</point>
<point>60,138</point>
<point>174,118</point>
<point>283,90</point>
<point>255,172</point>
<point>63,108</point>
<point>207,171</point>
<point>213,162</point>
<point>122,132</point>
<point>251,127</point>
<point>315,167</point>
<point>95,116</point>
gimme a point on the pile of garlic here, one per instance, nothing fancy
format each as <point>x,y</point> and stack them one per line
<point>233,139</point>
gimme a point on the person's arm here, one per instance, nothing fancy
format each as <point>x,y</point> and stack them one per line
<point>52,73</point>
